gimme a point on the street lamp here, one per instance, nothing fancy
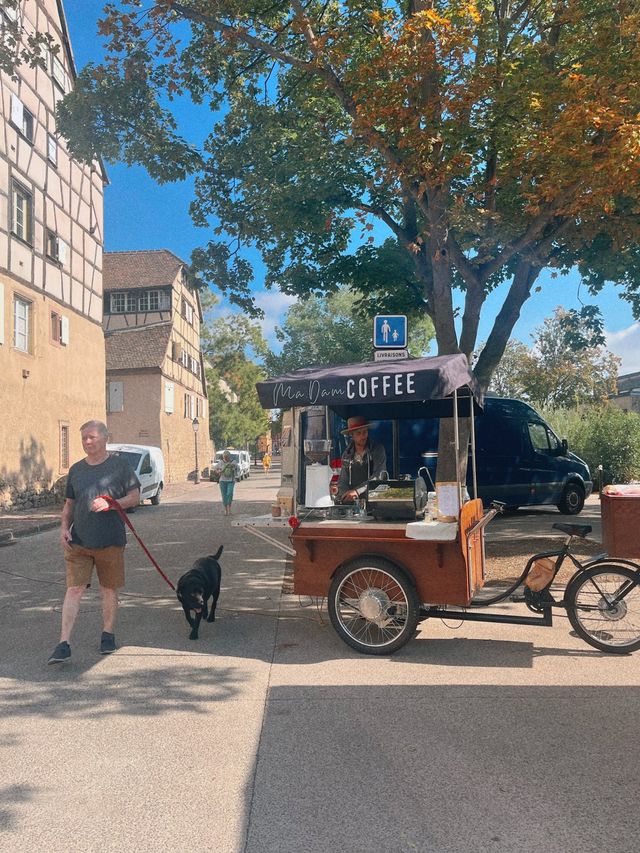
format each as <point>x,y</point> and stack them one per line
<point>196,426</point>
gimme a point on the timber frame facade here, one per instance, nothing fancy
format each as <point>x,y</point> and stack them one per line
<point>156,384</point>
<point>52,358</point>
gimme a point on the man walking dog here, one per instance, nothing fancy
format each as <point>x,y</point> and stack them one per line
<point>93,535</point>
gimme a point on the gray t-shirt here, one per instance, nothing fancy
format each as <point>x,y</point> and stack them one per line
<point>113,477</point>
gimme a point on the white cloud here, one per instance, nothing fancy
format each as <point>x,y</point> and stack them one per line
<point>275,305</point>
<point>626,344</point>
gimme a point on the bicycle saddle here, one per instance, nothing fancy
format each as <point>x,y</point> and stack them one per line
<point>580,530</point>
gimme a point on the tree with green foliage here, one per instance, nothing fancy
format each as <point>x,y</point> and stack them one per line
<point>334,329</point>
<point>235,415</point>
<point>493,140</point>
<point>509,377</point>
<point>555,372</point>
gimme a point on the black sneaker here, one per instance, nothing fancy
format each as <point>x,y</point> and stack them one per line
<point>107,643</point>
<point>61,653</point>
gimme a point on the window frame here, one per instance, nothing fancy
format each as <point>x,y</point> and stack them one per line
<point>19,191</point>
<point>52,149</point>
<point>25,124</point>
<point>26,320</point>
<point>149,300</point>
<point>55,328</point>
<point>58,73</point>
<point>56,248</point>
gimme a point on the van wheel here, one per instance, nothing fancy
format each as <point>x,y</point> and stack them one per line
<point>155,500</point>
<point>572,500</point>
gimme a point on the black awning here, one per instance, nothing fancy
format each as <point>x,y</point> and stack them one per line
<point>376,384</point>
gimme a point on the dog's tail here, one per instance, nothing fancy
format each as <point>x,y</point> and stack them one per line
<point>216,556</point>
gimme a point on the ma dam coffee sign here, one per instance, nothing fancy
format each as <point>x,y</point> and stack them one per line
<point>371,382</point>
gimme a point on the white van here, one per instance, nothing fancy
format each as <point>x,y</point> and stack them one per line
<point>241,457</point>
<point>148,463</point>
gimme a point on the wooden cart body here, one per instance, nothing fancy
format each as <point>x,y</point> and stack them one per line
<point>444,572</point>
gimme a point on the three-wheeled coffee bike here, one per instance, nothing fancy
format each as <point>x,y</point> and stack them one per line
<point>380,563</point>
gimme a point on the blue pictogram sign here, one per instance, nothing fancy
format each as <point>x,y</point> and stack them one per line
<point>390,331</point>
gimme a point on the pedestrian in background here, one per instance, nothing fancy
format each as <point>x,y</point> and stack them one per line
<point>229,471</point>
<point>92,534</point>
<point>266,463</point>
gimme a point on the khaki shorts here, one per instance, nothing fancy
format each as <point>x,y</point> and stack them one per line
<point>109,563</point>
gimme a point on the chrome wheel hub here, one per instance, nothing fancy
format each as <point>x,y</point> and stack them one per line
<point>615,613</point>
<point>373,605</point>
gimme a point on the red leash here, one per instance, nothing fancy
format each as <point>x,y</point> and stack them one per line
<point>113,504</point>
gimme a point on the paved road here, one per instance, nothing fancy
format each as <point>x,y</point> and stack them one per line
<point>269,734</point>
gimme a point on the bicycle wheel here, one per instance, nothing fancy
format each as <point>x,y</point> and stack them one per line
<point>373,606</point>
<point>603,605</point>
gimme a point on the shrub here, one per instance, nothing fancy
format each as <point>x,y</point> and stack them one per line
<point>603,435</point>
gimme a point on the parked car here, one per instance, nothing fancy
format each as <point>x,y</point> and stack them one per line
<point>241,457</point>
<point>148,463</point>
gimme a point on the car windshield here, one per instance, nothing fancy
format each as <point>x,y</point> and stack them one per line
<point>132,458</point>
<point>235,457</point>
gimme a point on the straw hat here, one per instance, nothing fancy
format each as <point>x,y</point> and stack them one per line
<point>354,423</point>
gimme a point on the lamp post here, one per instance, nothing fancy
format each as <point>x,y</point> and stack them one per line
<point>196,426</point>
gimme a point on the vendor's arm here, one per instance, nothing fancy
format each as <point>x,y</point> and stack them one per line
<point>343,481</point>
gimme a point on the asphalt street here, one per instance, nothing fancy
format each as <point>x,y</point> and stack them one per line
<point>269,734</point>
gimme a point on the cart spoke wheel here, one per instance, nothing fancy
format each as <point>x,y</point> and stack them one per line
<point>603,605</point>
<point>373,606</point>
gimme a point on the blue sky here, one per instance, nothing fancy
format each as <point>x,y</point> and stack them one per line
<point>140,214</point>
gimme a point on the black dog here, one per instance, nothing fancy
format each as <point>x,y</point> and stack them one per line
<point>196,587</point>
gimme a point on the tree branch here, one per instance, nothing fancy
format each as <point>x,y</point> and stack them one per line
<point>520,290</point>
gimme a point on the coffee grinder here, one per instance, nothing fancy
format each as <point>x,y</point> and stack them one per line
<point>317,472</point>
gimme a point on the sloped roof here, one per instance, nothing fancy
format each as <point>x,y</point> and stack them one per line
<point>628,382</point>
<point>151,268</point>
<point>136,348</point>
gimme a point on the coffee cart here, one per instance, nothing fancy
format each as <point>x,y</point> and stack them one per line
<point>381,577</point>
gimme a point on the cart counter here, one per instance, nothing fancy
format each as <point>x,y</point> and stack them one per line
<point>446,560</point>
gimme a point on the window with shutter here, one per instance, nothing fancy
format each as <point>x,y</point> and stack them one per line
<point>21,324</point>
<point>169,395</point>
<point>22,212</point>
<point>116,396</point>
<point>52,149</point>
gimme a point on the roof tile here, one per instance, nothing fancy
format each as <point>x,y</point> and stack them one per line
<point>138,347</point>
<point>127,270</point>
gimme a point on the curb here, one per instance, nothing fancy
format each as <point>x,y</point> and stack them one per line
<point>9,537</point>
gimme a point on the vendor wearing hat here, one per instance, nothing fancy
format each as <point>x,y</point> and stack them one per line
<point>361,461</point>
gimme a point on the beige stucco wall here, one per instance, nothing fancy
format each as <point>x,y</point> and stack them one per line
<point>144,420</point>
<point>42,389</point>
<point>179,445</point>
<point>138,422</point>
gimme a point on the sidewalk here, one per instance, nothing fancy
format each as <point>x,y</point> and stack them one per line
<point>14,525</point>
